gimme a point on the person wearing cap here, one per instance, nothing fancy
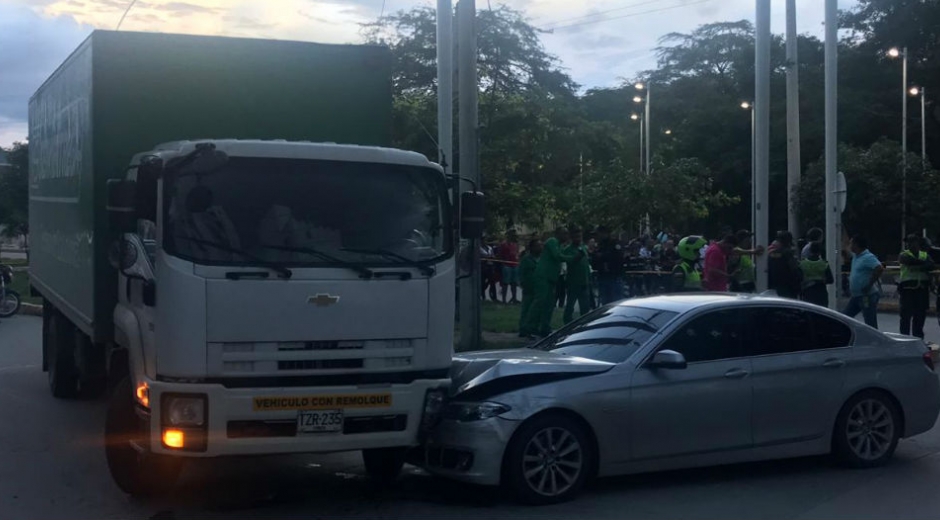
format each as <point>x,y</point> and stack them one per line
<point>741,263</point>
<point>914,286</point>
<point>783,270</point>
<point>816,276</point>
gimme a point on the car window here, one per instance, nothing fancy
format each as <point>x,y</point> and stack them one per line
<point>710,337</point>
<point>830,333</point>
<point>779,330</point>
<point>612,333</point>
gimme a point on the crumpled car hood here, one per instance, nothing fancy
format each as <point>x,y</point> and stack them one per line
<point>479,374</point>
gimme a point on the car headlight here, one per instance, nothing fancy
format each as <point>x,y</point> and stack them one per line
<point>469,412</point>
<point>186,411</point>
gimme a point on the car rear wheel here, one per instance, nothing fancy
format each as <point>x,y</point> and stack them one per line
<point>548,460</point>
<point>867,430</point>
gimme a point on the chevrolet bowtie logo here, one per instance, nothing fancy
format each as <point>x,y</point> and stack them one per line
<point>323,300</point>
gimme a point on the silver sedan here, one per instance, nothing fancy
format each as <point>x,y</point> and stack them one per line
<point>679,381</point>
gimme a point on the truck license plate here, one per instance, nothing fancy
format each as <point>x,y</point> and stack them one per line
<point>319,421</point>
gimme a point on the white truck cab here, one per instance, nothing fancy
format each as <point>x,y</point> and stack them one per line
<point>279,297</point>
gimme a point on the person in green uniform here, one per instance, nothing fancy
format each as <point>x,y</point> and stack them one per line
<point>741,263</point>
<point>914,287</point>
<point>539,319</point>
<point>527,265</point>
<point>685,277</point>
<point>816,276</point>
<point>578,279</point>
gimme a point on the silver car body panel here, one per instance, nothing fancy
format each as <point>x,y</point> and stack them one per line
<point>650,419</point>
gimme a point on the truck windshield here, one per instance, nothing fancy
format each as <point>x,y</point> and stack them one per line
<point>302,212</point>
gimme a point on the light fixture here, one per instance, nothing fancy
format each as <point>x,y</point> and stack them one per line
<point>668,132</point>
<point>745,105</point>
<point>914,91</point>
<point>894,52</point>
<point>640,86</point>
<point>634,117</point>
<point>637,99</point>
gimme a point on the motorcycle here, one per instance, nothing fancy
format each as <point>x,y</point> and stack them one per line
<point>9,299</point>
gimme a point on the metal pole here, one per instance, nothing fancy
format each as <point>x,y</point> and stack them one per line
<point>641,146</point>
<point>793,120</point>
<point>753,175</point>
<point>923,128</point>
<point>445,84</point>
<point>762,134</point>
<point>467,90</point>
<point>903,147</point>
<point>648,126</point>
<point>833,216</point>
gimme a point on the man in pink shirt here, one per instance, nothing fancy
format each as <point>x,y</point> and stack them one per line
<point>716,265</point>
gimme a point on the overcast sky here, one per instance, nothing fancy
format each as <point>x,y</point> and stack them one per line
<point>36,35</point>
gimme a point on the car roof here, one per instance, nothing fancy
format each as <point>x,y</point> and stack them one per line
<point>683,302</point>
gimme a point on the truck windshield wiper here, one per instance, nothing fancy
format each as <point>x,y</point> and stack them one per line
<point>363,271</point>
<point>282,271</point>
<point>426,269</point>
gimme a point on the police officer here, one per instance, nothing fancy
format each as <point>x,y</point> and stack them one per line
<point>816,276</point>
<point>608,264</point>
<point>914,286</point>
<point>685,276</point>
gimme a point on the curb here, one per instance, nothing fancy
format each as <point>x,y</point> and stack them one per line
<point>31,309</point>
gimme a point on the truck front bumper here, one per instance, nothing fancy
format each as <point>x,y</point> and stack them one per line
<point>260,421</point>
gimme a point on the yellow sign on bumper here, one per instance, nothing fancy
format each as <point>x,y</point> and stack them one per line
<point>321,402</point>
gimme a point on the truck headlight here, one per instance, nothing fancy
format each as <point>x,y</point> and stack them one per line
<point>185,410</point>
<point>469,412</point>
<point>433,405</point>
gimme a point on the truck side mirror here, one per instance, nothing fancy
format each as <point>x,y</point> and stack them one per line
<point>471,215</point>
<point>121,210</point>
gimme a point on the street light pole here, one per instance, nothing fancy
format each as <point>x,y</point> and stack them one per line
<point>904,148</point>
<point>923,128</point>
<point>793,120</point>
<point>762,134</point>
<point>833,211</point>
<point>648,126</point>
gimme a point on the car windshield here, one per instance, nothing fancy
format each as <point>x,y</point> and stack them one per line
<point>611,333</point>
<point>307,212</point>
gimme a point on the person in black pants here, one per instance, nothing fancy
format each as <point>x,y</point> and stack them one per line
<point>914,287</point>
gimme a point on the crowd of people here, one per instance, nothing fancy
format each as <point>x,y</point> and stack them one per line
<point>585,268</point>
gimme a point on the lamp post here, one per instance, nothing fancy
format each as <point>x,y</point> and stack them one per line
<point>639,118</point>
<point>747,105</point>
<point>922,92</point>
<point>902,53</point>
<point>646,119</point>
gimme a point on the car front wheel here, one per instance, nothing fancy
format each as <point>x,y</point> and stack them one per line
<point>548,460</point>
<point>867,430</point>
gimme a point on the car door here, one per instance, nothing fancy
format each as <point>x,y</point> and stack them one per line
<point>703,408</point>
<point>799,359</point>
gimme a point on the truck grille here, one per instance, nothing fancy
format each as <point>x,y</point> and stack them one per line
<point>315,357</point>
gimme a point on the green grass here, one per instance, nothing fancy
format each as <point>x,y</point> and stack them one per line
<point>21,285</point>
<point>13,262</point>
<point>502,318</point>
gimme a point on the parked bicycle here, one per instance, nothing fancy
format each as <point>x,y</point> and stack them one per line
<point>9,299</point>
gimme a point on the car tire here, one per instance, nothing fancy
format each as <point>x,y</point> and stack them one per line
<point>548,460</point>
<point>384,465</point>
<point>867,430</point>
<point>138,473</point>
<point>60,359</point>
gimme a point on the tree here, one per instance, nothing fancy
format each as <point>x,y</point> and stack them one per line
<point>14,192</point>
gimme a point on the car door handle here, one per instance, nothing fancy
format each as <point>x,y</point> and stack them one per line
<point>736,373</point>
<point>834,363</point>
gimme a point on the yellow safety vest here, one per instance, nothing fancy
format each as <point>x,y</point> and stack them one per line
<point>916,273</point>
<point>693,278</point>
<point>814,270</point>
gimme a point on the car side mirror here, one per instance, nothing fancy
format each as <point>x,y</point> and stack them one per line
<point>669,360</point>
<point>471,215</point>
<point>121,208</point>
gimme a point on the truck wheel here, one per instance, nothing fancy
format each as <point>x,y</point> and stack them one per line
<point>383,465</point>
<point>135,470</point>
<point>60,358</point>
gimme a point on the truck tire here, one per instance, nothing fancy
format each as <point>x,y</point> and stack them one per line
<point>383,465</point>
<point>137,473</point>
<point>60,357</point>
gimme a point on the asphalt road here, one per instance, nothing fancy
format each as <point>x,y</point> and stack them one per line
<point>52,466</point>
